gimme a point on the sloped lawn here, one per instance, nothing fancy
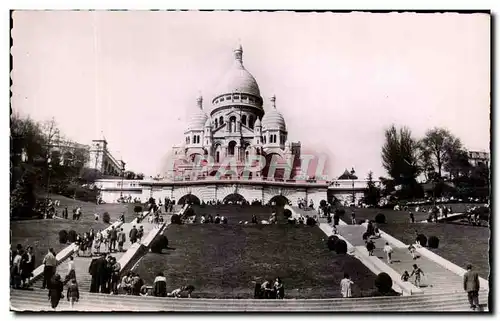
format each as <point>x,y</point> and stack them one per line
<point>458,243</point>
<point>225,261</point>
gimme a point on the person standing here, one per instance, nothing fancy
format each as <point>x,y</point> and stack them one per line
<point>71,271</point>
<point>353,218</point>
<point>471,286</point>
<point>95,277</point>
<point>133,235</point>
<point>140,233</point>
<point>113,236</point>
<point>121,240</point>
<point>27,266</point>
<point>412,218</point>
<point>345,286</point>
<point>55,291</point>
<point>73,294</point>
<point>49,269</point>
<point>388,251</point>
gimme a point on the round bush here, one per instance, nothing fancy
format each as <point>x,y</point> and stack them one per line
<point>138,209</point>
<point>380,218</point>
<point>287,213</point>
<point>332,239</point>
<point>106,218</point>
<point>422,239</point>
<point>189,212</point>
<point>176,219</point>
<point>433,242</point>
<point>159,244</point>
<point>383,282</point>
<point>63,236</point>
<point>310,221</point>
<point>71,236</point>
<point>341,247</point>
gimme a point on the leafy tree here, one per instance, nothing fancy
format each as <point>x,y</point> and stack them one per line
<point>399,156</point>
<point>22,198</point>
<point>139,176</point>
<point>372,193</point>
<point>439,144</point>
<point>26,140</point>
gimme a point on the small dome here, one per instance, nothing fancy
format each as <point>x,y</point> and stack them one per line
<point>273,119</point>
<point>257,123</point>
<point>238,79</point>
<point>198,118</point>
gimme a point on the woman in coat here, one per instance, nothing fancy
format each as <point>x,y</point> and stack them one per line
<point>55,291</point>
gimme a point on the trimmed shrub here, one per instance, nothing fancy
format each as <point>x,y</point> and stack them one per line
<point>63,237</point>
<point>137,209</point>
<point>383,282</point>
<point>332,239</point>
<point>176,219</point>
<point>433,242</point>
<point>159,244</point>
<point>310,221</point>
<point>71,236</point>
<point>341,247</point>
<point>340,212</point>
<point>287,213</point>
<point>380,218</point>
<point>422,239</point>
<point>106,218</point>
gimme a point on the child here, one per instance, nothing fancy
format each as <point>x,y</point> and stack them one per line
<point>345,286</point>
<point>73,294</point>
<point>388,251</point>
<point>412,250</point>
<point>405,277</point>
<point>418,273</point>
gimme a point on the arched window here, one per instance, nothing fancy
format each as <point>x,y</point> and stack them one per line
<point>188,139</point>
<point>250,122</point>
<point>231,148</point>
<point>244,120</point>
<point>232,124</point>
<point>217,157</point>
<point>216,123</point>
<point>221,120</point>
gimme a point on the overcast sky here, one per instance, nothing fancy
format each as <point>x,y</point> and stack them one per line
<point>339,79</point>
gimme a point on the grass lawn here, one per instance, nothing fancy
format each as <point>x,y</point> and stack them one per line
<point>44,234</point>
<point>460,244</point>
<point>392,216</point>
<point>225,261</point>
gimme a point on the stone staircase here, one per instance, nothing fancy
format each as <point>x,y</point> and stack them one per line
<point>36,300</point>
<point>82,263</point>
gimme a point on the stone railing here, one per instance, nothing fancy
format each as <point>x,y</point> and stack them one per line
<point>65,253</point>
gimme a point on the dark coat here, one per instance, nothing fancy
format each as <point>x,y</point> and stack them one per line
<point>73,292</point>
<point>55,292</point>
<point>133,234</point>
<point>471,281</point>
<point>93,267</point>
<point>113,235</point>
<point>160,288</point>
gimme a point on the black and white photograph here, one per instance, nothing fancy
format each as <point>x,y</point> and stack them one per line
<point>250,161</point>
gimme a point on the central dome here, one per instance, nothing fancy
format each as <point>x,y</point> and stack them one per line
<point>238,79</point>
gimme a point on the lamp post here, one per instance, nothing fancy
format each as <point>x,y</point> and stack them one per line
<point>123,175</point>
<point>49,166</point>
<point>353,194</point>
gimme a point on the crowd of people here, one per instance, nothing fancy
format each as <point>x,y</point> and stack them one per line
<point>22,265</point>
<point>302,204</point>
<point>269,289</point>
<point>210,219</point>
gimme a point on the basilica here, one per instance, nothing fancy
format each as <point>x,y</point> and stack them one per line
<point>237,124</point>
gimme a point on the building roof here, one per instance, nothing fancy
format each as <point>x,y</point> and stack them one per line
<point>347,175</point>
<point>198,118</point>
<point>273,119</point>
<point>238,79</point>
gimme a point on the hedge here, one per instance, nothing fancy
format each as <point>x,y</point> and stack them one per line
<point>341,247</point>
<point>71,236</point>
<point>383,282</point>
<point>176,219</point>
<point>380,218</point>
<point>63,237</point>
<point>332,239</point>
<point>159,244</point>
<point>422,239</point>
<point>433,242</point>
<point>106,218</point>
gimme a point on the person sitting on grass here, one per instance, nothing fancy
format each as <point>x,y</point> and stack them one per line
<point>177,293</point>
<point>345,286</point>
<point>203,219</point>
<point>279,288</point>
<point>160,285</point>
<point>126,283</point>
<point>217,219</point>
